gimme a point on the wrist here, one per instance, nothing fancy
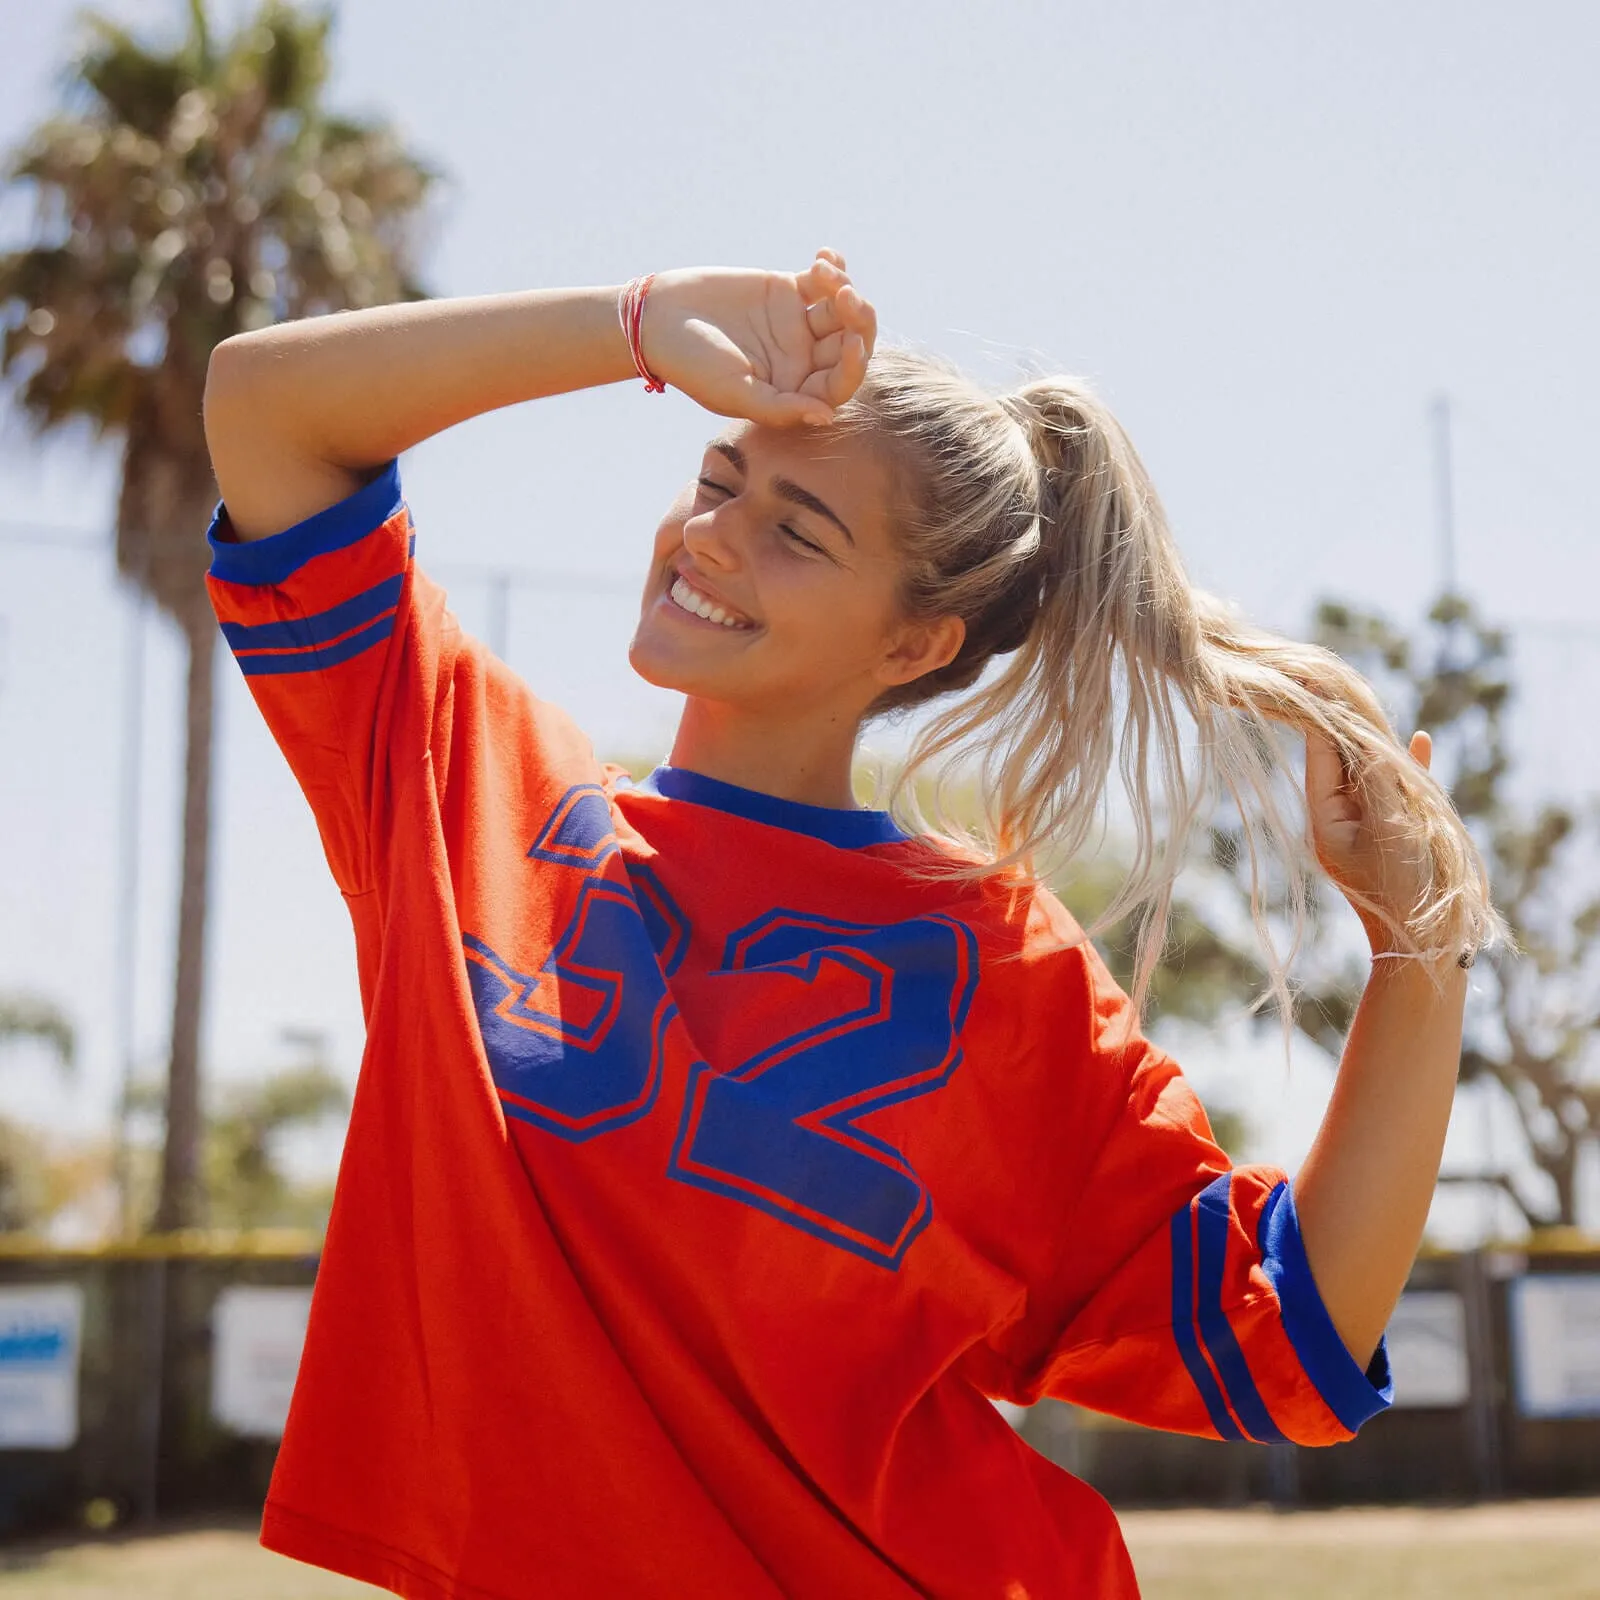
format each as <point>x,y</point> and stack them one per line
<point>632,299</point>
<point>1385,946</point>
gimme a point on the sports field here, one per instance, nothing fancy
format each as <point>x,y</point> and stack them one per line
<point>1547,1550</point>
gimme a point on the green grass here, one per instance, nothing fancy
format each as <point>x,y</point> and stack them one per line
<point>1538,1550</point>
<point>191,1564</point>
<point>1548,1550</point>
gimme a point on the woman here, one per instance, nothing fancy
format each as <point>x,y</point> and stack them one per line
<point>721,1148</point>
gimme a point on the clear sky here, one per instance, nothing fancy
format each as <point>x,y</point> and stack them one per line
<point>1271,234</point>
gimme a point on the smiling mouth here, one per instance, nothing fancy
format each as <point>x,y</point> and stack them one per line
<point>687,598</point>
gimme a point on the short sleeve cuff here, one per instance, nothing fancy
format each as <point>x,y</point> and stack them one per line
<point>1351,1394</point>
<point>263,562</point>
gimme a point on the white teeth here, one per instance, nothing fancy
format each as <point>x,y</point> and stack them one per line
<point>698,605</point>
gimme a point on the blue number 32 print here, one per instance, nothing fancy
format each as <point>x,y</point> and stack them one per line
<point>577,1048</point>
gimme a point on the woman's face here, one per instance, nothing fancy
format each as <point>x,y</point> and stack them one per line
<point>774,580</point>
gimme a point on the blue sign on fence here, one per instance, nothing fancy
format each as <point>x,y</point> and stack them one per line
<point>40,1331</point>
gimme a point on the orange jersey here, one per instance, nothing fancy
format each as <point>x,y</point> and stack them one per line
<point>709,1171</point>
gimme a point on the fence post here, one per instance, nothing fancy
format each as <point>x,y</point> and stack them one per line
<point>1283,1474</point>
<point>153,1339</point>
<point>1483,1377</point>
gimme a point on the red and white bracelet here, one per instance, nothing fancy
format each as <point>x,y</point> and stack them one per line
<point>630,312</point>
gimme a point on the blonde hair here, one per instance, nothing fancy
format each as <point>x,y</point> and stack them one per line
<point>1031,517</point>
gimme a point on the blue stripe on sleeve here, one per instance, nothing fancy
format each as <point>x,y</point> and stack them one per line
<point>302,633</point>
<point>315,660</point>
<point>1183,1326</point>
<point>1350,1394</point>
<point>1216,1333</point>
<point>263,562</point>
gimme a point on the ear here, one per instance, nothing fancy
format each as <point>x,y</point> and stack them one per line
<point>920,648</point>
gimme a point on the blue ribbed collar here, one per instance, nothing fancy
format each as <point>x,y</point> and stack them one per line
<point>849,830</point>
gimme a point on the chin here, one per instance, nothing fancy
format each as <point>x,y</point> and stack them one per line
<point>663,668</point>
<point>664,665</point>
<point>647,667</point>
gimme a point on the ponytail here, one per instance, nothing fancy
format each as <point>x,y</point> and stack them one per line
<point>1033,518</point>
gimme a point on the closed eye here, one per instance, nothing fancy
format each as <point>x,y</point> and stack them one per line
<point>798,538</point>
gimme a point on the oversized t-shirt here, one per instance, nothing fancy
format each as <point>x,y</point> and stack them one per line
<point>712,1164</point>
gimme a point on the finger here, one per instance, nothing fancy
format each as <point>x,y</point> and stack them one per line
<point>1325,775</point>
<point>858,313</point>
<point>764,404</point>
<point>844,377</point>
<point>1421,748</point>
<point>820,281</point>
<point>837,369</point>
<point>825,353</point>
<point>824,318</point>
<point>827,254</point>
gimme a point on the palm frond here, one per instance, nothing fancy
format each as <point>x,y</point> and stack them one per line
<point>24,1016</point>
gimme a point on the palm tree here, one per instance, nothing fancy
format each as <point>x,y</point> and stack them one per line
<point>182,195</point>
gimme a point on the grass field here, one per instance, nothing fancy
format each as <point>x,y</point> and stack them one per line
<point>1545,1550</point>
<point>1527,1550</point>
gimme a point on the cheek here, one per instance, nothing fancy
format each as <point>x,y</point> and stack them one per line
<point>669,532</point>
<point>837,618</point>
<point>667,541</point>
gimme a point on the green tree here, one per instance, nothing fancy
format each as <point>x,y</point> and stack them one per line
<point>26,1190</point>
<point>184,193</point>
<point>243,1183</point>
<point>27,1016</point>
<point>1531,1029</point>
<point>246,1186</point>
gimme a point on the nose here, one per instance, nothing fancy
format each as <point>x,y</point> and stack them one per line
<point>712,537</point>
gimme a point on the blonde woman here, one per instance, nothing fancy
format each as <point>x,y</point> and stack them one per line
<point>722,1148</point>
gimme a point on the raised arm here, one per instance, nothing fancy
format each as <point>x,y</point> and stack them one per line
<point>299,415</point>
<point>1364,1190</point>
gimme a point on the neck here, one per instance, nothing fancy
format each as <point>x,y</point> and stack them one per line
<point>802,759</point>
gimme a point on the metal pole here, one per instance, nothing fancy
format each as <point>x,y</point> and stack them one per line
<point>1444,492</point>
<point>499,622</point>
<point>127,923</point>
<point>1483,1429</point>
<point>1449,585</point>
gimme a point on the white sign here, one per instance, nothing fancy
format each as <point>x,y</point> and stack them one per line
<point>1427,1338</point>
<point>1555,1345</point>
<point>256,1339</point>
<point>41,1329</point>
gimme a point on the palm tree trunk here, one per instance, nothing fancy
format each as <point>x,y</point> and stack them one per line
<point>181,1203</point>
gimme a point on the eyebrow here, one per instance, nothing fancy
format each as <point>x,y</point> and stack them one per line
<point>786,488</point>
